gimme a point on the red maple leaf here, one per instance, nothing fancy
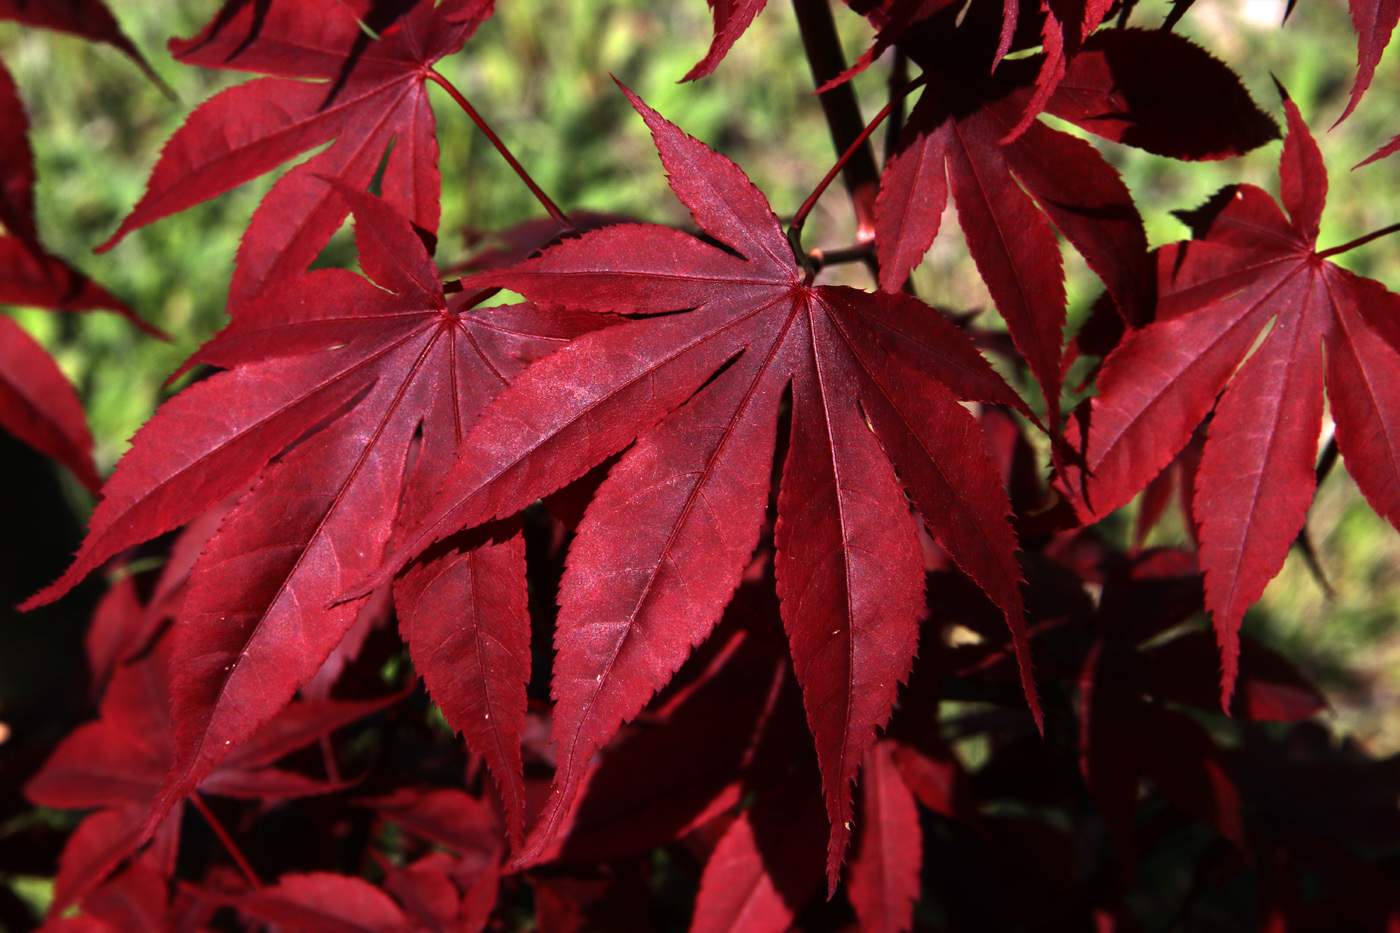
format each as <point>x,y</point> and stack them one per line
<point>89,19</point>
<point>324,902</point>
<point>37,403</point>
<point>333,82</point>
<point>875,381</point>
<point>388,361</point>
<point>119,764</point>
<point>1254,267</point>
<point>1374,21</point>
<point>1011,179</point>
<point>888,849</point>
<point>732,19</point>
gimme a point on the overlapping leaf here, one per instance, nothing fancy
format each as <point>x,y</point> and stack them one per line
<point>732,19</point>
<point>37,404</point>
<point>119,764</point>
<point>1008,194</point>
<point>89,19</point>
<point>1255,272</point>
<point>254,625</point>
<point>874,381</point>
<point>332,83</point>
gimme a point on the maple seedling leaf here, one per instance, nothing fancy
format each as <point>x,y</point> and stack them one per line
<point>874,381</point>
<point>332,82</point>
<point>1252,269</point>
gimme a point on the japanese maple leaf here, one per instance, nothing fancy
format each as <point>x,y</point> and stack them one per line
<point>324,902</point>
<point>89,19</point>
<point>888,849</point>
<point>333,83</point>
<point>1255,268</point>
<point>1009,193</point>
<point>119,764</point>
<point>1374,21</point>
<point>732,19</point>
<point>37,403</point>
<point>874,381</point>
<point>395,362</point>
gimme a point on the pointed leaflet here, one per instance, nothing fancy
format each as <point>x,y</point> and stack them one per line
<point>1160,92</point>
<point>38,404</point>
<point>884,880</point>
<point>1374,21</point>
<point>323,902</point>
<point>767,864</point>
<point>119,762</point>
<point>364,94</point>
<point>16,166</point>
<point>29,275</point>
<point>256,623</point>
<point>1216,295</point>
<point>732,18</point>
<point>677,519</point>
<point>89,19</point>
<point>1114,87</point>
<point>465,618</point>
<point>952,144</point>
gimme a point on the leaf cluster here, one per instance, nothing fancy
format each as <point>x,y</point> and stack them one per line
<point>757,602</point>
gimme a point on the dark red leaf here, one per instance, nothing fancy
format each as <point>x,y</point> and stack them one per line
<point>120,763</point>
<point>1254,268</point>
<point>1160,92</point>
<point>39,406</point>
<point>362,94</point>
<point>89,19</point>
<point>449,817</point>
<point>767,864</point>
<point>884,877</point>
<point>1374,21</point>
<point>322,902</point>
<point>849,563</point>
<point>16,166</point>
<point>465,617</point>
<point>732,19</point>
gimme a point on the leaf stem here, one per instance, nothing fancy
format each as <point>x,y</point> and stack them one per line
<point>827,60</point>
<point>226,839</point>
<point>899,77</point>
<point>800,218</point>
<point>1359,241</point>
<point>549,205</point>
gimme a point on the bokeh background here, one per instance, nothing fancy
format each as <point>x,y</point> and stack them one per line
<point>539,72</point>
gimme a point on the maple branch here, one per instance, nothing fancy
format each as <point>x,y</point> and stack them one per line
<point>821,258</point>
<point>800,218</point>
<point>226,839</point>
<point>544,199</point>
<point>827,60</point>
<point>1359,241</point>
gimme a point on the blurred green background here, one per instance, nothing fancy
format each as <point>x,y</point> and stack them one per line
<point>539,73</point>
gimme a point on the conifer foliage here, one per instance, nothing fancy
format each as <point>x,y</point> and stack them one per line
<point>697,557</point>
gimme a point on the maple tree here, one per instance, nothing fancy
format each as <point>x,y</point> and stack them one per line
<point>687,572</point>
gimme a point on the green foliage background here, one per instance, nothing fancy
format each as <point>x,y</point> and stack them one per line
<point>538,71</point>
